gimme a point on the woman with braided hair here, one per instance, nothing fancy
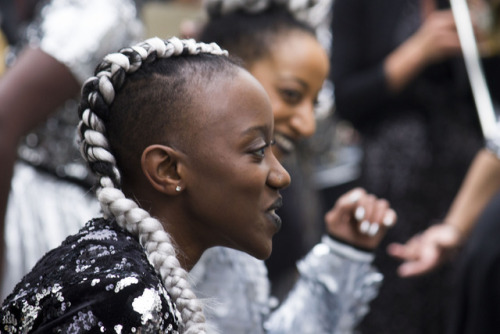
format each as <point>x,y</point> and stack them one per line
<point>186,133</point>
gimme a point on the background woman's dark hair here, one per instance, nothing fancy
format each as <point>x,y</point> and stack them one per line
<point>251,35</point>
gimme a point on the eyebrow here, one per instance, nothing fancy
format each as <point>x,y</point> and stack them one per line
<point>298,80</point>
<point>262,129</point>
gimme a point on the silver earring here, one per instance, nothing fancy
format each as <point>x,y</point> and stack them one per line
<point>178,188</point>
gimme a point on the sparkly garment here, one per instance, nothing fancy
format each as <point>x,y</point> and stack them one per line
<point>97,281</point>
<point>77,33</point>
<point>47,201</point>
<point>336,284</point>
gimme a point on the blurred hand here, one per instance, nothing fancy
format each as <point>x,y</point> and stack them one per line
<point>424,252</point>
<point>437,37</point>
<point>189,28</point>
<point>360,219</point>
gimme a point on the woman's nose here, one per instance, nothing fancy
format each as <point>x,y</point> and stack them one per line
<point>303,121</point>
<point>278,176</point>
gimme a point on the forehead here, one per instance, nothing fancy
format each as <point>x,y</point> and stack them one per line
<point>298,53</point>
<point>228,106</point>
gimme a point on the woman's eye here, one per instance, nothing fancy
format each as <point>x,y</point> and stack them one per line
<point>261,152</point>
<point>291,96</point>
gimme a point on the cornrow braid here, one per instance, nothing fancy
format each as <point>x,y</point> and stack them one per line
<point>98,93</point>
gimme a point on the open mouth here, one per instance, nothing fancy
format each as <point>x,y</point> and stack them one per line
<point>284,143</point>
<point>271,212</point>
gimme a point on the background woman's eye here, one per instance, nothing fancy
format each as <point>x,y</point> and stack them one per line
<point>291,96</point>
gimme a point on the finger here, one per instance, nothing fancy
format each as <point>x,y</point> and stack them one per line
<point>364,223</point>
<point>349,201</point>
<point>390,218</point>
<point>411,250</point>
<point>374,229</point>
<point>335,217</point>
<point>421,266</point>
<point>359,214</point>
<point>355,194</point>
<point>368,202</point>
<point>409,269</point>
<point>364,227</point>
<point>379,210</point>
<point>397,250</point>
<point>344,205</point>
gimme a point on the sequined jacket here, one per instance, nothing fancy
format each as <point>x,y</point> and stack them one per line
<point>97,281</point>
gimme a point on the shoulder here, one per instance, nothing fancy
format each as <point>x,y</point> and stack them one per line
<point>93,28</point>
<point>99,278</point>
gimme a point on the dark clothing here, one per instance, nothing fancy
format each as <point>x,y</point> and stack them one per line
<point>417,146</point>
<point>476,306</point>
<point>97,281</point>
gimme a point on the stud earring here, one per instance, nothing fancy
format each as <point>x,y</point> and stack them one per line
<point>178,188</point>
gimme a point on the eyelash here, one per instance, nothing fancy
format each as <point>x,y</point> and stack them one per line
<point>260,152</point>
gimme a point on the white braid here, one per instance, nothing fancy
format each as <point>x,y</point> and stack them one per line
<point>95,148</point>
<point>224,7</point>
<point>93,121</point>
<point>106,89</point>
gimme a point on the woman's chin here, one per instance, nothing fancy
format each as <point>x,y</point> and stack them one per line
<point>262,253</point>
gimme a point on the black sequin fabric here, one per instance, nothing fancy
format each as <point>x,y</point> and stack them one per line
<point>98,281</point>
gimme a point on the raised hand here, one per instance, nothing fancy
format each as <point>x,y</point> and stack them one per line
<point>360,219</point>
<point>426,251</point>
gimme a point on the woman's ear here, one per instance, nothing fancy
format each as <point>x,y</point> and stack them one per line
<point>159,164</point>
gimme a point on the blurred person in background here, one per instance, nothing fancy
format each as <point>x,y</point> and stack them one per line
<point>400,79</point>
<point>45,189</point>
<point>469,234</point>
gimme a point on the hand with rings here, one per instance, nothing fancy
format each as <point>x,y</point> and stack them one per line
<point>360,219</point>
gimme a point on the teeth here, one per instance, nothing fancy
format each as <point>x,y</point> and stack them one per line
<point>284,143</point>
<point>272,211</point>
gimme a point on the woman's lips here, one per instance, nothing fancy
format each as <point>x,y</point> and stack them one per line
<point>271,213</point>
<point>276,220</point>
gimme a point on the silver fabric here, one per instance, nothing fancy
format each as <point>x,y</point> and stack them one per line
<point>43,209</point>
<point>42,212</point>
<point>235,288</point>
<point>336,284</point>
<point>78,33</point>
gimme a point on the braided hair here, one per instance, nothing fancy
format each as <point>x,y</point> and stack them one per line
<point>110,111</point>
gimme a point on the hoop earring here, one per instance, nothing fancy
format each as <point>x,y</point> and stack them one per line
<point>178,188</point>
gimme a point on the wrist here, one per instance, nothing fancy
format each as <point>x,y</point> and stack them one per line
<point>405,63</point>
<point>346,250</point>
<point>345,242</point>
<point>455,231</point>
